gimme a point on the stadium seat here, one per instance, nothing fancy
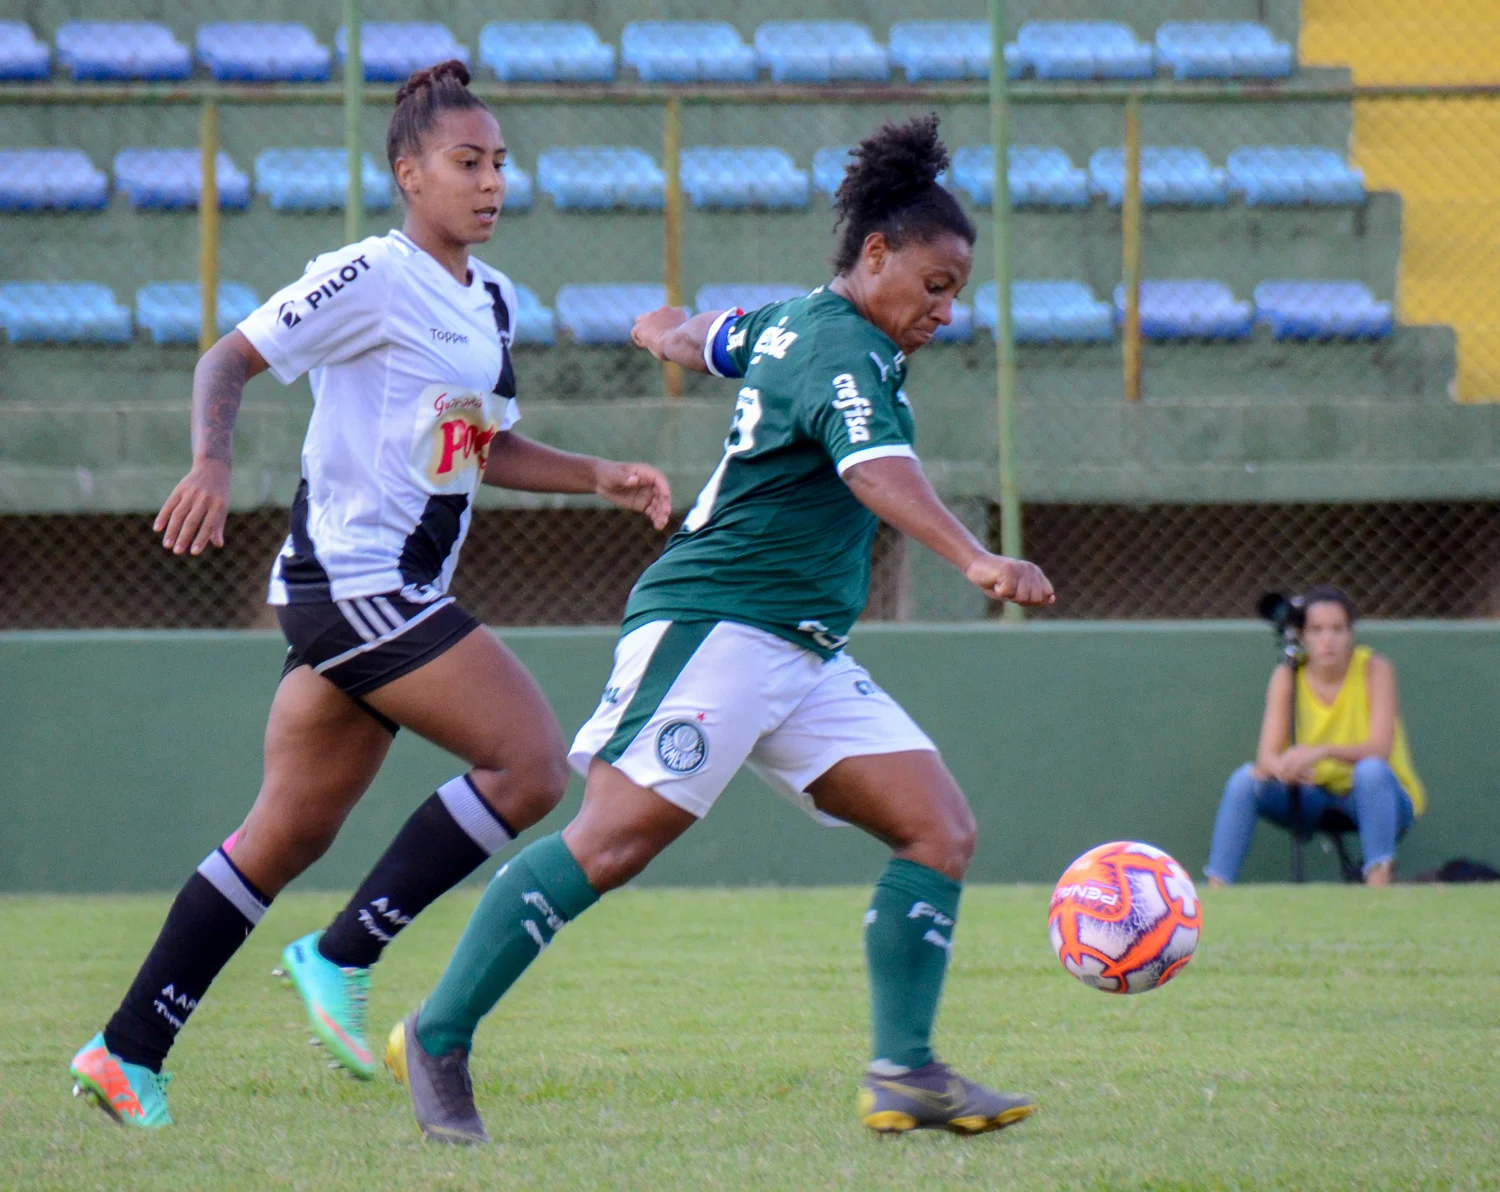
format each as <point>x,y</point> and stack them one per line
<point>518,189</point>
<point>829,166</point>
<point>534,322</point>
<point>173,310</point>
<point>1273,175</point>
<point>172,178</point>
<point>601,177</point>
<point>1196,309</point>
<point>948,50</point>
<point>1084,50</point>
<point>960,330</point>
<point>687,52</point>
<point>546,52</point>
<point>317,179</point>
<point>1043,312</point>
<point>262,51</point>
<point>22,56</point>
<point>1040,176</point>
<point>605,314</point>
<point>121,50</point>
<point>1321,310</point>
<point>391,50</point>
<point>743,177</point>
<point>746,297</point>
<point>820,52</point>
<point>57,179</point>
<point>1169,174</point>
<point>62,312</point>
<point>1222,50</point>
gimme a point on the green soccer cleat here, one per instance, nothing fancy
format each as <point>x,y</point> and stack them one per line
<point>934,1097</point>
<point>336,1000</point>
<point>442,1095</point>
<point>130,1094</point>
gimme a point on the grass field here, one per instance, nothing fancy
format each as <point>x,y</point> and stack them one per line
<point>1322,1038</point>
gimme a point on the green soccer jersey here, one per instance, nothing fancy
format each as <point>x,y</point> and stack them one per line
<point>776,539</point>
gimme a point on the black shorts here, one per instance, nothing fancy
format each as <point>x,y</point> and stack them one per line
<point>365,643</point>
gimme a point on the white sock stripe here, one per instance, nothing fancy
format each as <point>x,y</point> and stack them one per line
<point>356,620</point>
<point>391,615</point>
<point>473,815</point>
<point>222,876</point>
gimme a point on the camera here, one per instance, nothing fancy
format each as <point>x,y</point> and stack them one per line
<point>1288,615</point>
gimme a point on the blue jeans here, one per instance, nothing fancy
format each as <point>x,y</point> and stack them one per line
<point>1378,805</point>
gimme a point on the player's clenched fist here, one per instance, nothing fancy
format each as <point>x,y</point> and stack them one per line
<point>653,325</point>
<point>1016,580</point>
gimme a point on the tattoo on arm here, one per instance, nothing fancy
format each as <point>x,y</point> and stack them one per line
<point>217,388</point>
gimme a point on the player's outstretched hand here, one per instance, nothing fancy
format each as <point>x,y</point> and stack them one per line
<point>637,487</point>
<point>1015,580</point>
<point>194,514</point>
<point>652,326</point>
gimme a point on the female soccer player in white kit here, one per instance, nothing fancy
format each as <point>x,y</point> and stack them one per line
<point>407,339</point>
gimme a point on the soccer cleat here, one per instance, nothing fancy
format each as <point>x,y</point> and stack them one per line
<point>336,1000</point>
<point>442,1095</point>
<point>936,1097</point>
<point>130,1094</point>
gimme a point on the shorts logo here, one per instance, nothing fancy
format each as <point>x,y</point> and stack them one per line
<point>865,687</point>
<point>681,747</point>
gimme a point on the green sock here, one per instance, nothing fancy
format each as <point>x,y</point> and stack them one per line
<point>908,934</point>
<point>532,896</point>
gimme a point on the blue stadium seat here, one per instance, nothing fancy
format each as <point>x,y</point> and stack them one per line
<point>746,297</point>
<point>1275,175</point>
<point>391,50</point>
<point>1169,174</point>
<point>1321,310</point>
<point>605,314</point>
<point>534,322</point>
<point>22,56</point>
<point>1084,50</point>
<point>62,312</point>
<point>262,51</point>
<point>601,177</point>
<point>1044,312</point>
<point>518,189</point>
<point>1195,309</point>
<point>1039,175</point>
<point>742,177</point>
<point>546,52</point>
<point>59,179</point>
<point>829,166</point>
<point>820,52</point>
<point>121,50</point>
<point>173,310</point>
<point>317,179</point>
<point>687,52</point>
<point>1222,50</point>
<point>960,330</point>
<point>172,178</point>
<point>948,50</point>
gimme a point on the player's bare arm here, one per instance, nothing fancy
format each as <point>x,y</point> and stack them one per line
<point>670,334</point>
<point>528,466</point>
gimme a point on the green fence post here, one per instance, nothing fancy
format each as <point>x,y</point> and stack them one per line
<point>672,227</point>
<point>354,112</point>
<point>1130,227</point>
<point>208,226</point>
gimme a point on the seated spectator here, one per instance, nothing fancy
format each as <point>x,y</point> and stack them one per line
<point>1350,753</point>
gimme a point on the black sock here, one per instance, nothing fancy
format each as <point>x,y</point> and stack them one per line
<point>446,839</point>
<point>212,916</point>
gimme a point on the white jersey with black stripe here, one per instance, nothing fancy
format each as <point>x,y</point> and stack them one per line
<point>411,379</point>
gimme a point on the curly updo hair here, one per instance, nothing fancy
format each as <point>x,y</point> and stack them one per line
<point>424,97</point>
<point>892,187</point>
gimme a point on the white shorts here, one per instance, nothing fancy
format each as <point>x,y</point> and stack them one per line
<point>688,703</point>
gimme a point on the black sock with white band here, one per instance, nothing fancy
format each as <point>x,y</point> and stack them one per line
<point>447,838</point>
<point>212,916</point>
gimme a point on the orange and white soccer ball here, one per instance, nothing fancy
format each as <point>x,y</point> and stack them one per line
<point>1125,917</point>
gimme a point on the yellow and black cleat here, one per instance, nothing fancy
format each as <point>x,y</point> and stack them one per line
<point>934,1097</point>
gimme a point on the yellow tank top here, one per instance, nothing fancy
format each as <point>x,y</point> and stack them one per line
<point>1346,721</point>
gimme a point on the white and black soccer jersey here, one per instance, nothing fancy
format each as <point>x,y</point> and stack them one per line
<point>411,379</point>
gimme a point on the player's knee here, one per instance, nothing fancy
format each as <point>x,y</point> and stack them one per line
<point>526,788</point>
<point>962,838</point>
<point>610,864</point>
<point>1372,770</point>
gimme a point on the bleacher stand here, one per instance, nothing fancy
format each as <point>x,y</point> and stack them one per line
<point>546,52</point>
<point>518,188</point>
<point>62,312</point>
<point>1298,310</point>
<point>51,179</point>
<point>1170,174</point>
<point>1222,50</point>
<point>927,50</point>
<point>121,50</point>
<point>391,50</point>
<point>1279,175</point>
<point>604,314</point>
<point>173,310</point>
<point>22,56</point>
<point>166,179</point>
<point>829,167</point>
<point>534,322</point>
<point>1084,50</point>
<point>741,177</point>
<point>687,52</point>
<point>600,177</point>
<point>1191,309</point>
<point>262,52</point>
<point>821,52</point>
<point>745,297</point>
<point>1048,312</point>
<point>1039,176</point>
<point>317,179</point>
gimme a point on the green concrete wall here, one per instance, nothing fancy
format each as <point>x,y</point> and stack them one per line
<point>128,756</point>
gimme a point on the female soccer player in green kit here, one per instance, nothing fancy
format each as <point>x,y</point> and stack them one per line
<point>732,651</point>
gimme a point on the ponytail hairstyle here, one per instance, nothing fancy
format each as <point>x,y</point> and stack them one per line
<point>891,187</point>
<point>425,96</point>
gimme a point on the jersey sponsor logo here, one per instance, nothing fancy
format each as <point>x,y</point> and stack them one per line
<point>681,747</point>
<point>288,315</point>
<point>773,341</point>
<point>855,409</point>
<point>737,337</point>
<point>453,435</point>
<point>331,288</point>
<point>447,337</point>
<point>823,635</point>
